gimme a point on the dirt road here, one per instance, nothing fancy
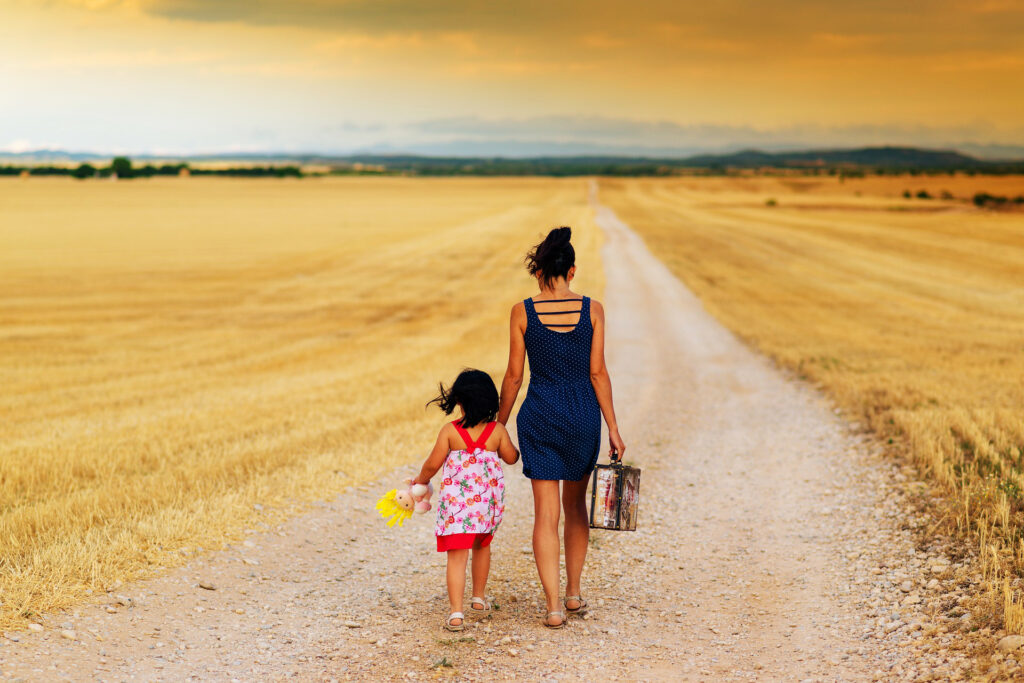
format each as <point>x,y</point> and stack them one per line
<point>769,549</point>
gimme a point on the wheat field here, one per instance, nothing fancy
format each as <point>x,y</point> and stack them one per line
<point>181,358</point>
<point>909,313</point>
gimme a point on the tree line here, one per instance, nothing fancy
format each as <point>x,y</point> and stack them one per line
<point>122,167</point>
<point>870,162</point>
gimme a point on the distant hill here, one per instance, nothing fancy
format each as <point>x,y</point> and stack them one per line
<point>992,152</point>
<point>867,159</point>
<point>875,157</point>
<point>889,159</point>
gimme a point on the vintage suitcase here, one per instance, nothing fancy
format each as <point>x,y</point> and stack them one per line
<point>615,497</point>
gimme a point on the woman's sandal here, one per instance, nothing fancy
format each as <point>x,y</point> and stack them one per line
<point>579,610</point>
<point>486,609</point>
<point>561,622</point>
<point>455,627</point>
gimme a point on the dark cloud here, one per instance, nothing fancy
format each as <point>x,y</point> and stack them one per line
<point>371,15</point>
<point>911,26</point>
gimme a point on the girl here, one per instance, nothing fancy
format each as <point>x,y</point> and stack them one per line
<point>471,499</point>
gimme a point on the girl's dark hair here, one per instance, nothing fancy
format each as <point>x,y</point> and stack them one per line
<point>553,257</point>
<point>474,390</point>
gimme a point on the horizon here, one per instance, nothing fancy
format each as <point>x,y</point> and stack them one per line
<point>1011,154</point>
<point>333,77</point>
<point>519,149</point>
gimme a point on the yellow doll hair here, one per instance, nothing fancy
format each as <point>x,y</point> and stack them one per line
<point>389,507</point>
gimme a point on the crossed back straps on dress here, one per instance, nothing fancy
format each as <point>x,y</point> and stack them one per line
<point>480,442</point>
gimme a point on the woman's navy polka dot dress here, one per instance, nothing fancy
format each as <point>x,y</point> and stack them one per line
<point>559,424</point>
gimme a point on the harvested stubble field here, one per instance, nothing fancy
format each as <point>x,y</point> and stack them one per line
<point>177,354</point>
<point>910,313</point>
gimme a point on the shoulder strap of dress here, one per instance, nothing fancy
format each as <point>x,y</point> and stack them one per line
<point>528,303</point>
<point>464,434</point>
<point>481,443</point>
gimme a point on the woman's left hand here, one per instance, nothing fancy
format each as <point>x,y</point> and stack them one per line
<point>618,446</point>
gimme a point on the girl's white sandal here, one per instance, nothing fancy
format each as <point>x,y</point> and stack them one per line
<point>473,602</point>
<point>455,627</point>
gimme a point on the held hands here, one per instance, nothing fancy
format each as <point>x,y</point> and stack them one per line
<point>617,445</point>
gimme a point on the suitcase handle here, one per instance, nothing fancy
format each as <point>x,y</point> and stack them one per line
<point>614,458</point>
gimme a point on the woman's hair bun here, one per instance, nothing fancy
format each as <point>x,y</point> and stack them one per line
<point>553,257</point>
<point>559,237</point>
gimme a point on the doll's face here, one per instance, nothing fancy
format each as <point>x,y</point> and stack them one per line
<point>404,500</point>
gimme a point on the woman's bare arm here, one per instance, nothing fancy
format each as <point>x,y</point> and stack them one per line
<point>516,362</point>
<point>602,381</point>
<point>507,451</point>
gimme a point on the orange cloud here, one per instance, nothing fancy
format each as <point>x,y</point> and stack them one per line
<point>981,62</point>
<point>601,41</point>
<point>845,40</point>
<point>994,6</point>
<point>462,42</point>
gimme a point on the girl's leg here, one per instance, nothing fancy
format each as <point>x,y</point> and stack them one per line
<point>545,540</point>
<point>457,580</point>
<point>481,567</point>
<point>577,534</point>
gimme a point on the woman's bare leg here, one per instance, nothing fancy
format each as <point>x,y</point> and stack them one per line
<point>456,579</point>
<point>545,540</point>
<point>577,534</point>
<point>481,567</point>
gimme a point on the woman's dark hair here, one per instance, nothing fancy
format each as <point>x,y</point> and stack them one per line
<point>553,257</point>
<point>474,390</point>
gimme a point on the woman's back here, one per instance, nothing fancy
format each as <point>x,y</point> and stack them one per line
<point>558,339</point>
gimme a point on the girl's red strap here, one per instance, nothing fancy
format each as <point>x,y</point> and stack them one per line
<point>464,434</point>
<point>481,442</point>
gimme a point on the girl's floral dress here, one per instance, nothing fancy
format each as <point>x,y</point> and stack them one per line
<point>472,495</point>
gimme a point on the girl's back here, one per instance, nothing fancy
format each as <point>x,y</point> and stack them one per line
<point>472,495</point>
<point>457,441</point>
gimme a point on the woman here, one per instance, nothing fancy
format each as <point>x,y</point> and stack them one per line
<point>559,424</point>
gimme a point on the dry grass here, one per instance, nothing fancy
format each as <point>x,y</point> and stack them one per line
<point>909,313</point>
<point>174,352</point>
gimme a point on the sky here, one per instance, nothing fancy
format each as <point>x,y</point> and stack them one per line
<point>526,77</point>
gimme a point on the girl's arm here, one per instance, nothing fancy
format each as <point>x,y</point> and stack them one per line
<point>602,382</point>
<point>436,458</point>
<point>516,360</point>
<point>506,451</point>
